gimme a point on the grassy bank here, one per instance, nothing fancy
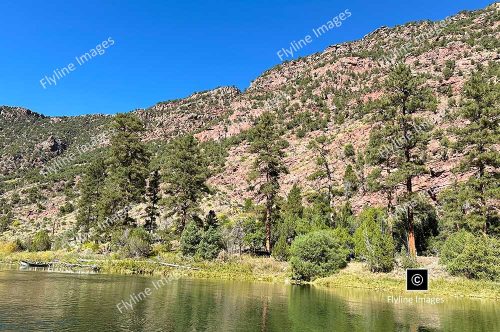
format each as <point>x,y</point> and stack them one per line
<point>395,283</point>
<point>234,268</point>
<point>264,269</point>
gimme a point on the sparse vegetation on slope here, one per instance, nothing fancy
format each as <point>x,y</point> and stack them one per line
<point>388,158</point>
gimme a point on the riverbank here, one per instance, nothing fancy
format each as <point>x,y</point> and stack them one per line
<point>440,283</point>
<point>233,268</point>
<point>251,268</point>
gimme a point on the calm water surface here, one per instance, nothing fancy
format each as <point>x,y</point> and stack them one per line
<point>49,301</point>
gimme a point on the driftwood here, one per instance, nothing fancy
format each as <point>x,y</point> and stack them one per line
<point>88,260</point>
<point>93,267</point>
<point>156,262</point>
<point>96,267</point>
<point>174,265</point>
<point>72,265</point>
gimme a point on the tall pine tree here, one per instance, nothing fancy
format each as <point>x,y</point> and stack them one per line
<point>267,143</point>
<point>398,143</point>
<point>293,206</point>
<point>153,195</point>
<point>185,173</point>
<point>291,219</point>
<point>473,205</point>
<point>91,187</point>
<point>128,166</point>
<point>324,171</point>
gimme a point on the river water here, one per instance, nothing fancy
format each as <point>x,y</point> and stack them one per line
<point>50,301</point>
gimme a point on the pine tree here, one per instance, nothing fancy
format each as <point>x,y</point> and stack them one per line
<point>359,167</point>
<point>350,181</point>
<point>472,205</point>
<point>128,169</point>
<point>293,206</point>
<point>190,239</point>
<point>211,242</point>
<point>129,156</point>
<point>210,220</point>
<point>112,207</point>
<point>325,170</point>
<point>349,152</point>
<point>281,250</point>
<point>398,143</point>
<point>354,176</point>
<point>91,187</point>
<point>153,195</point>
<point>290,220</point>
<point>344,217</point>
<point>269,146</point>
<point>185,174</point>
<point>372,243</point>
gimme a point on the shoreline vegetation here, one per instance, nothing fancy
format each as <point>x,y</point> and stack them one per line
<point>138,202</point>
<point>249,268</point>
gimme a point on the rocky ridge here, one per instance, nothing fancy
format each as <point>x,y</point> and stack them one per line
<point>343,81</point>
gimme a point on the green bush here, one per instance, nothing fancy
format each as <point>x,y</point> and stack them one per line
<point>342,234</point>
<point>92,246</point>
<point>454,245</point>
<point>372,243</point>
<point>475,257</point>
<point>350,181</point>
<point>5,222</point>
<point>255,235</point>
<point>190,239</point>
<point>349,150</point>
<point>135,242</point>
<point>211,243</point>
<point>163,240</point>
<point>317,254</point>
<point>40,242</point>
<point>66,208</point>
<point>281,250</point>
<point>19,245</point>
<point>448,69</point>
<point>203,243</point>
<point>407,260</point>
<point>160,248</point>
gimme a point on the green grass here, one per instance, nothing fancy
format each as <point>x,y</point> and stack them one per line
<point>455,287</point>
<point>258,268</point>
<point>235,268</point>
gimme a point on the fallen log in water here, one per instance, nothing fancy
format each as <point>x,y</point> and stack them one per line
<point>93,267</point>
<point>174,265</point>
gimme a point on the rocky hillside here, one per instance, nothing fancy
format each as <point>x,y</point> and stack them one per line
<point>333,92</point>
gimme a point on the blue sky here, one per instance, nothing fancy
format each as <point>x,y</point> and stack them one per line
<point>169,49</point>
